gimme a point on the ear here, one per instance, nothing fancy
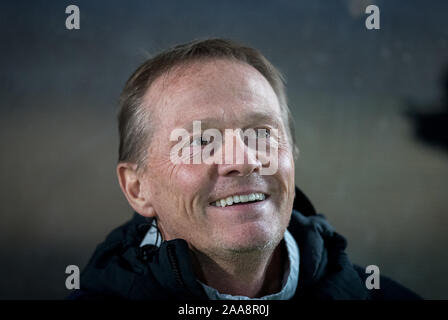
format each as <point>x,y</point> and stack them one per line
<point>133,188</point>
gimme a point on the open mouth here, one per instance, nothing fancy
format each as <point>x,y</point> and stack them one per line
<point>239,199</point>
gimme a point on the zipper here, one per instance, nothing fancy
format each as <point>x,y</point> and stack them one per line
<point>175,265</point>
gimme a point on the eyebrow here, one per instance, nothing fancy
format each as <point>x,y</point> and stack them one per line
<point>264,117</point>
<point>251,119</point>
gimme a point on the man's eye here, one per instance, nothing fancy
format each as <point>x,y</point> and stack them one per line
<point>200,142</point>
<point>263,133</point>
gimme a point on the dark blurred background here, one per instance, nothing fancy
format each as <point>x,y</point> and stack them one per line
<point>370,107</point>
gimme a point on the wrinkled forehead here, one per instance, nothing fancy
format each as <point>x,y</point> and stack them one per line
<point>223,89</point>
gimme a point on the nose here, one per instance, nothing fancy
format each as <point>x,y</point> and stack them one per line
<point>238,159</point>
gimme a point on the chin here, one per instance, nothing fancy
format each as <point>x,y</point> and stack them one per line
<point>251,238</point>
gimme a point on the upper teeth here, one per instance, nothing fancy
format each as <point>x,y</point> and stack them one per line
<point>239,198</point>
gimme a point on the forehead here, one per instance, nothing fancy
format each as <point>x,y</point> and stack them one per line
<point>221,89</point>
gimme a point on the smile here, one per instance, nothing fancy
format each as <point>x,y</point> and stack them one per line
<point>251,197</point>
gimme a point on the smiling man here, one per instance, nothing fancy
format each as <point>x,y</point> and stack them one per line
<point>234,227</point>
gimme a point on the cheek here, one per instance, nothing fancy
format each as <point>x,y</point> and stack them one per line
<point>286,166</point>
<point>180,185</point>
<point>192,184</point>
<point>286,178</point>
<point>192,178</point>
<point>179,200</point>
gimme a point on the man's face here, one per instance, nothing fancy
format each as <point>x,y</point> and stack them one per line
<point>224,95</point>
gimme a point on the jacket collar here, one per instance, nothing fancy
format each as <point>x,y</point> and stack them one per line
<point>325,270</point>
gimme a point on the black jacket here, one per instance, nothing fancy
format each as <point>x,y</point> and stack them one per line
<point>121,269</point>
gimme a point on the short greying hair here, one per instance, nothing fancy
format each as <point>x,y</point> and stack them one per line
<point>134,120</point>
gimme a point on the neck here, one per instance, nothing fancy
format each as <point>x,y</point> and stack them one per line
<point>251,274</point>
